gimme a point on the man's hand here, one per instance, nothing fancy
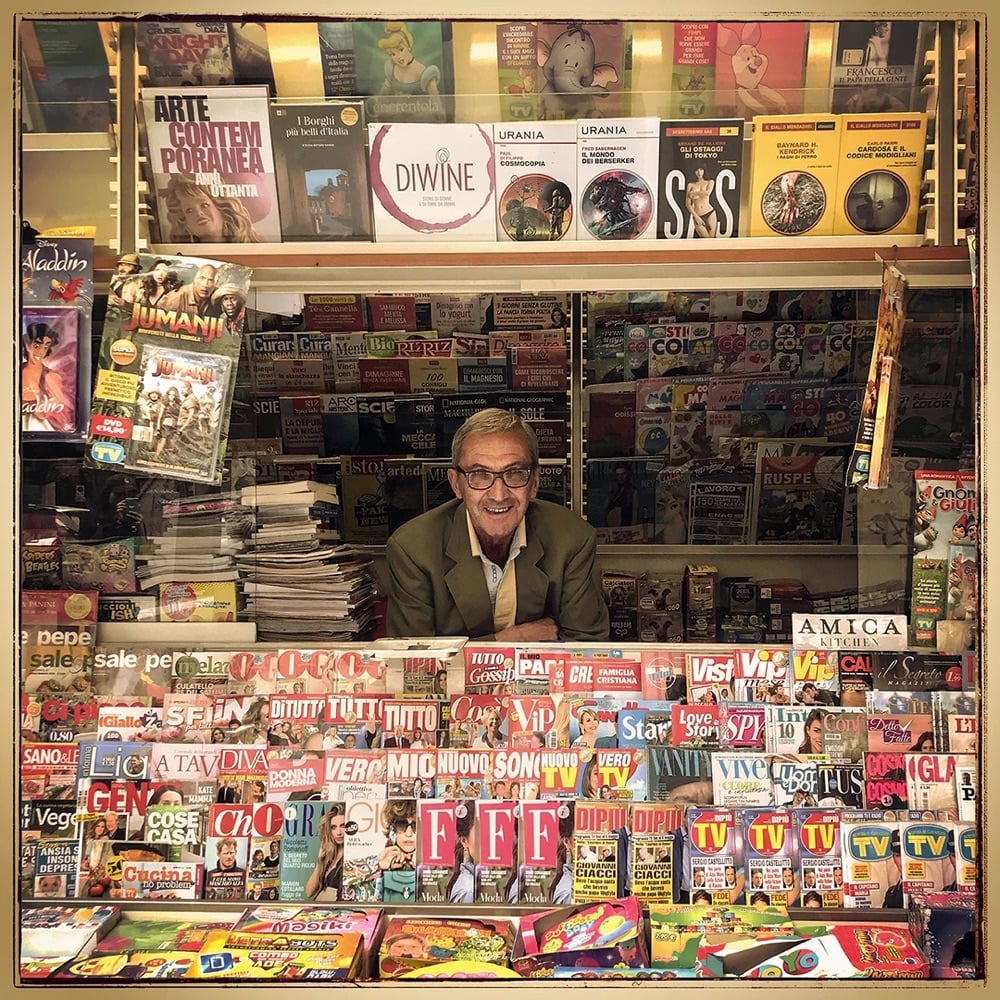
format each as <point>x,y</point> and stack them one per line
<point>540,630</point>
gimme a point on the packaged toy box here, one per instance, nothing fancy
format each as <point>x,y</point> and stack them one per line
<point>677,932</point>
<point>416,942</point>
<point>591,935</point>
<point>943,925</point>
<point>238,955</point>
<point>310,921</point>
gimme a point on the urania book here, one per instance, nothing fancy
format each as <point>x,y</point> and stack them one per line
<point>617,178</point>
<point>212,164</point>
<point>535,165</point>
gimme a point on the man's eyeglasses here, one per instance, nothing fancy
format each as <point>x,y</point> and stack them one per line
<point>483,479</point>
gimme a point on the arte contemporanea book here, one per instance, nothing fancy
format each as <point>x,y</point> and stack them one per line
<point>212,164</point>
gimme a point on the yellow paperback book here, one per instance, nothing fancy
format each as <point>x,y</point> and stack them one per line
<point>794,174</point>
<point>881,169</point>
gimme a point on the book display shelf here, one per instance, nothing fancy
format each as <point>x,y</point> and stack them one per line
<point>681,266</point>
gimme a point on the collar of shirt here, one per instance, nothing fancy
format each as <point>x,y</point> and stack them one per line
<point>501,583</point>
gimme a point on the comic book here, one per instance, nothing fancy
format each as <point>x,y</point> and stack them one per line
<point>165,375</point>
<point>213,144</point>
<point>716,855</point>
<point>50,371</point>
<point>581,69</point>
<point>450,194</point>
<point>653,829</point>
<point>692,60</point>
<point>496,852</point>
<point>599,850</point>
<point>185,53</point>
<point>545,862</point>
<point>321,170</point>
<point>404,69</point>
<point>769,837</point>
<point>946,515</point>
<point>701,173</point>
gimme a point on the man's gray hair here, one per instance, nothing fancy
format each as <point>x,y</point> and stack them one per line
<point>494,421</point>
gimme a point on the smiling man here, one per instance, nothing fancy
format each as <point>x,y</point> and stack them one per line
<point>495,563</point>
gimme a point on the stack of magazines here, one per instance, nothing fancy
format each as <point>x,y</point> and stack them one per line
<point>297,578</point>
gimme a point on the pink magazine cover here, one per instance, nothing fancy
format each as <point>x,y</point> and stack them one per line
<point>760,67</point>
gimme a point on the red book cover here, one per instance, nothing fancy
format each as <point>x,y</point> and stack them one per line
<point>496,851</point>
<point>338,313</point>
<point>436,822</point>
<point>545,875</point>
<point>392,312</point>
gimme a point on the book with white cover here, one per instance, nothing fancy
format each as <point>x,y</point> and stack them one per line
<point>431,181</point>
<point>617,178</point>
<point>535,180</point>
